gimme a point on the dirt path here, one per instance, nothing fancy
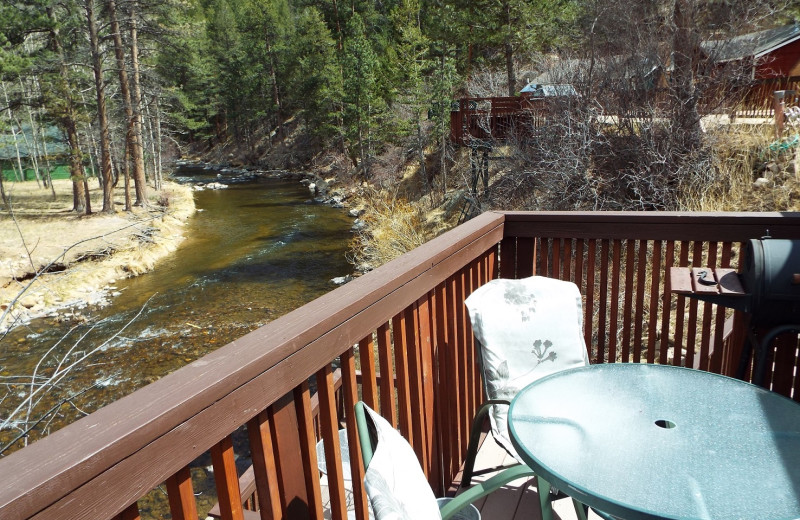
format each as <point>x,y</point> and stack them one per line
<point>85,254</point>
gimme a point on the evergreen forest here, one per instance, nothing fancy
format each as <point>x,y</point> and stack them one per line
<point>363,91</point>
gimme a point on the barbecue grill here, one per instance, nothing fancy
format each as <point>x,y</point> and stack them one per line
<point>767,289</point>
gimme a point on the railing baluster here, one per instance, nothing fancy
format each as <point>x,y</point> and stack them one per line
<point>785,355</point>
<point>588,324</point>
<point>508,257</point>
<point>465,356</point>
<point>492,267</point>
<point>613,320</point>
<point>180,493</point>
<point>350,391</point>
<point>680,310</point>
<point>329,429</point>
<point>472,352</point>
<point>655,291</point>
<point>796,388</point>
<point>259,432</point>
<point>691,333</point>
<point>567,260</point>
<point>602,320</point>
<point>557,267</point>
<point>401,366</point>
<point>308,454</point>
<point>448,433</point>
<point>627,310</point>
<point>388,409</point>
<point>227,480</point>
<point>418,410</point>
<point>718,353</point>
<point>544,257</point>
<point>580,248</point>
<point>641,279</point>
<point>666,300</point>
<point>130,513</point>
<point>431,405</point>
<point>369,388</point>
<point>452,304</point>
<point>526,258</point>
<point>705,342</point>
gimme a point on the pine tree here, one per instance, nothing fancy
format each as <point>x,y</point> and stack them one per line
<point>361,101</point>
<point>413,66</point>
<point>317,78</point>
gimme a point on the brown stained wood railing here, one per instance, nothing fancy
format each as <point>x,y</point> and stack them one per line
<point>654,325</point>
<point>102,464</point>
<point>417,364</point>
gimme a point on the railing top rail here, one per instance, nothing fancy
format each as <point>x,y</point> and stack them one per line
<point>717,226</point>
<point>85,460</point>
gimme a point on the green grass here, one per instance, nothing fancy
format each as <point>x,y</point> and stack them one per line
<point>59,172</point>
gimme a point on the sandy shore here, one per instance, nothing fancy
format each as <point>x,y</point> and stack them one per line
<point>83,256</point>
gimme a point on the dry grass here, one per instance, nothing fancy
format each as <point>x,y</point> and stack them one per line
<point>740,154</point>
<point>88,252</point>
<point>393,226</point>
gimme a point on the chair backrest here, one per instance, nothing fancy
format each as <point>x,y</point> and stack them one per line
<point>396,486</point>
<point>526,329</point>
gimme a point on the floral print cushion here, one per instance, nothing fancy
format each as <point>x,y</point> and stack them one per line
<point>396,486</point>
<point>526,329</point>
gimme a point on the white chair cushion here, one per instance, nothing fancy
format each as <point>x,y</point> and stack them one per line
<point>527,329</point>
<point>396,486</point>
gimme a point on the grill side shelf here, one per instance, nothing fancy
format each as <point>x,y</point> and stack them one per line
<point>727,289</point>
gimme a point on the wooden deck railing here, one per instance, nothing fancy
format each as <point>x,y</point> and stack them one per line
<point>406,319</point>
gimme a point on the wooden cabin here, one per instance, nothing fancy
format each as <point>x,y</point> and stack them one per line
<point>398,338</point>
<point>773,58</point>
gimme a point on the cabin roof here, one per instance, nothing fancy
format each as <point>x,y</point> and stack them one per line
<point>752,45</point>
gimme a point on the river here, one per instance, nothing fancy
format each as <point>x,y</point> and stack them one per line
<point>254,252</point>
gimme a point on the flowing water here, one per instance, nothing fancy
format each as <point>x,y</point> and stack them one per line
<point>254,252</point>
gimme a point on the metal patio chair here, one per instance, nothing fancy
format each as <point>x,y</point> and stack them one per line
<point>397,487</point>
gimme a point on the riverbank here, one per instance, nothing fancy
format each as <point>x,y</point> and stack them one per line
<point>54,263</point>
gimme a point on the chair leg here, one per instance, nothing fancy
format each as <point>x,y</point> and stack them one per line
<point>474,438</point>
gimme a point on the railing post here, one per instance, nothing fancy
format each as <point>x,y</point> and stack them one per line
<point>182,504</point>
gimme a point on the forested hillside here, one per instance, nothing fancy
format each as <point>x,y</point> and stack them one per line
<point>362,90</point>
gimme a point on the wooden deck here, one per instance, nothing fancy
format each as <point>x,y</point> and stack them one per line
<point>404,325</point>
<point>517,500</point>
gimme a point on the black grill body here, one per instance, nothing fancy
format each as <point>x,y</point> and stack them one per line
<point>771,276</point>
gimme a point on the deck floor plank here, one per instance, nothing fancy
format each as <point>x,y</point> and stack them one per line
<point>517,500</point>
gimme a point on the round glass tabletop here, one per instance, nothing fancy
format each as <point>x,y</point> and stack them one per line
<point>655,441</point>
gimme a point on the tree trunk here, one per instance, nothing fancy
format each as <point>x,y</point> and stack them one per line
<point>11,123</point>
<point>80,191</point>
<point>34,145</point>
<point>139,178</point>
<point>47,166</point>
<point>3,196</point>
<point>275,91</point>
<point>157,172</point>
<point>685,43</point>
<point>102,115</point>
<point>127,174</point>
<point>509,51</point>
<point>152,137</point>
<point>130,133</point>
<point>68,121</point>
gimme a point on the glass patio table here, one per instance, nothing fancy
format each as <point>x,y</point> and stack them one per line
<point>640,441</point>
